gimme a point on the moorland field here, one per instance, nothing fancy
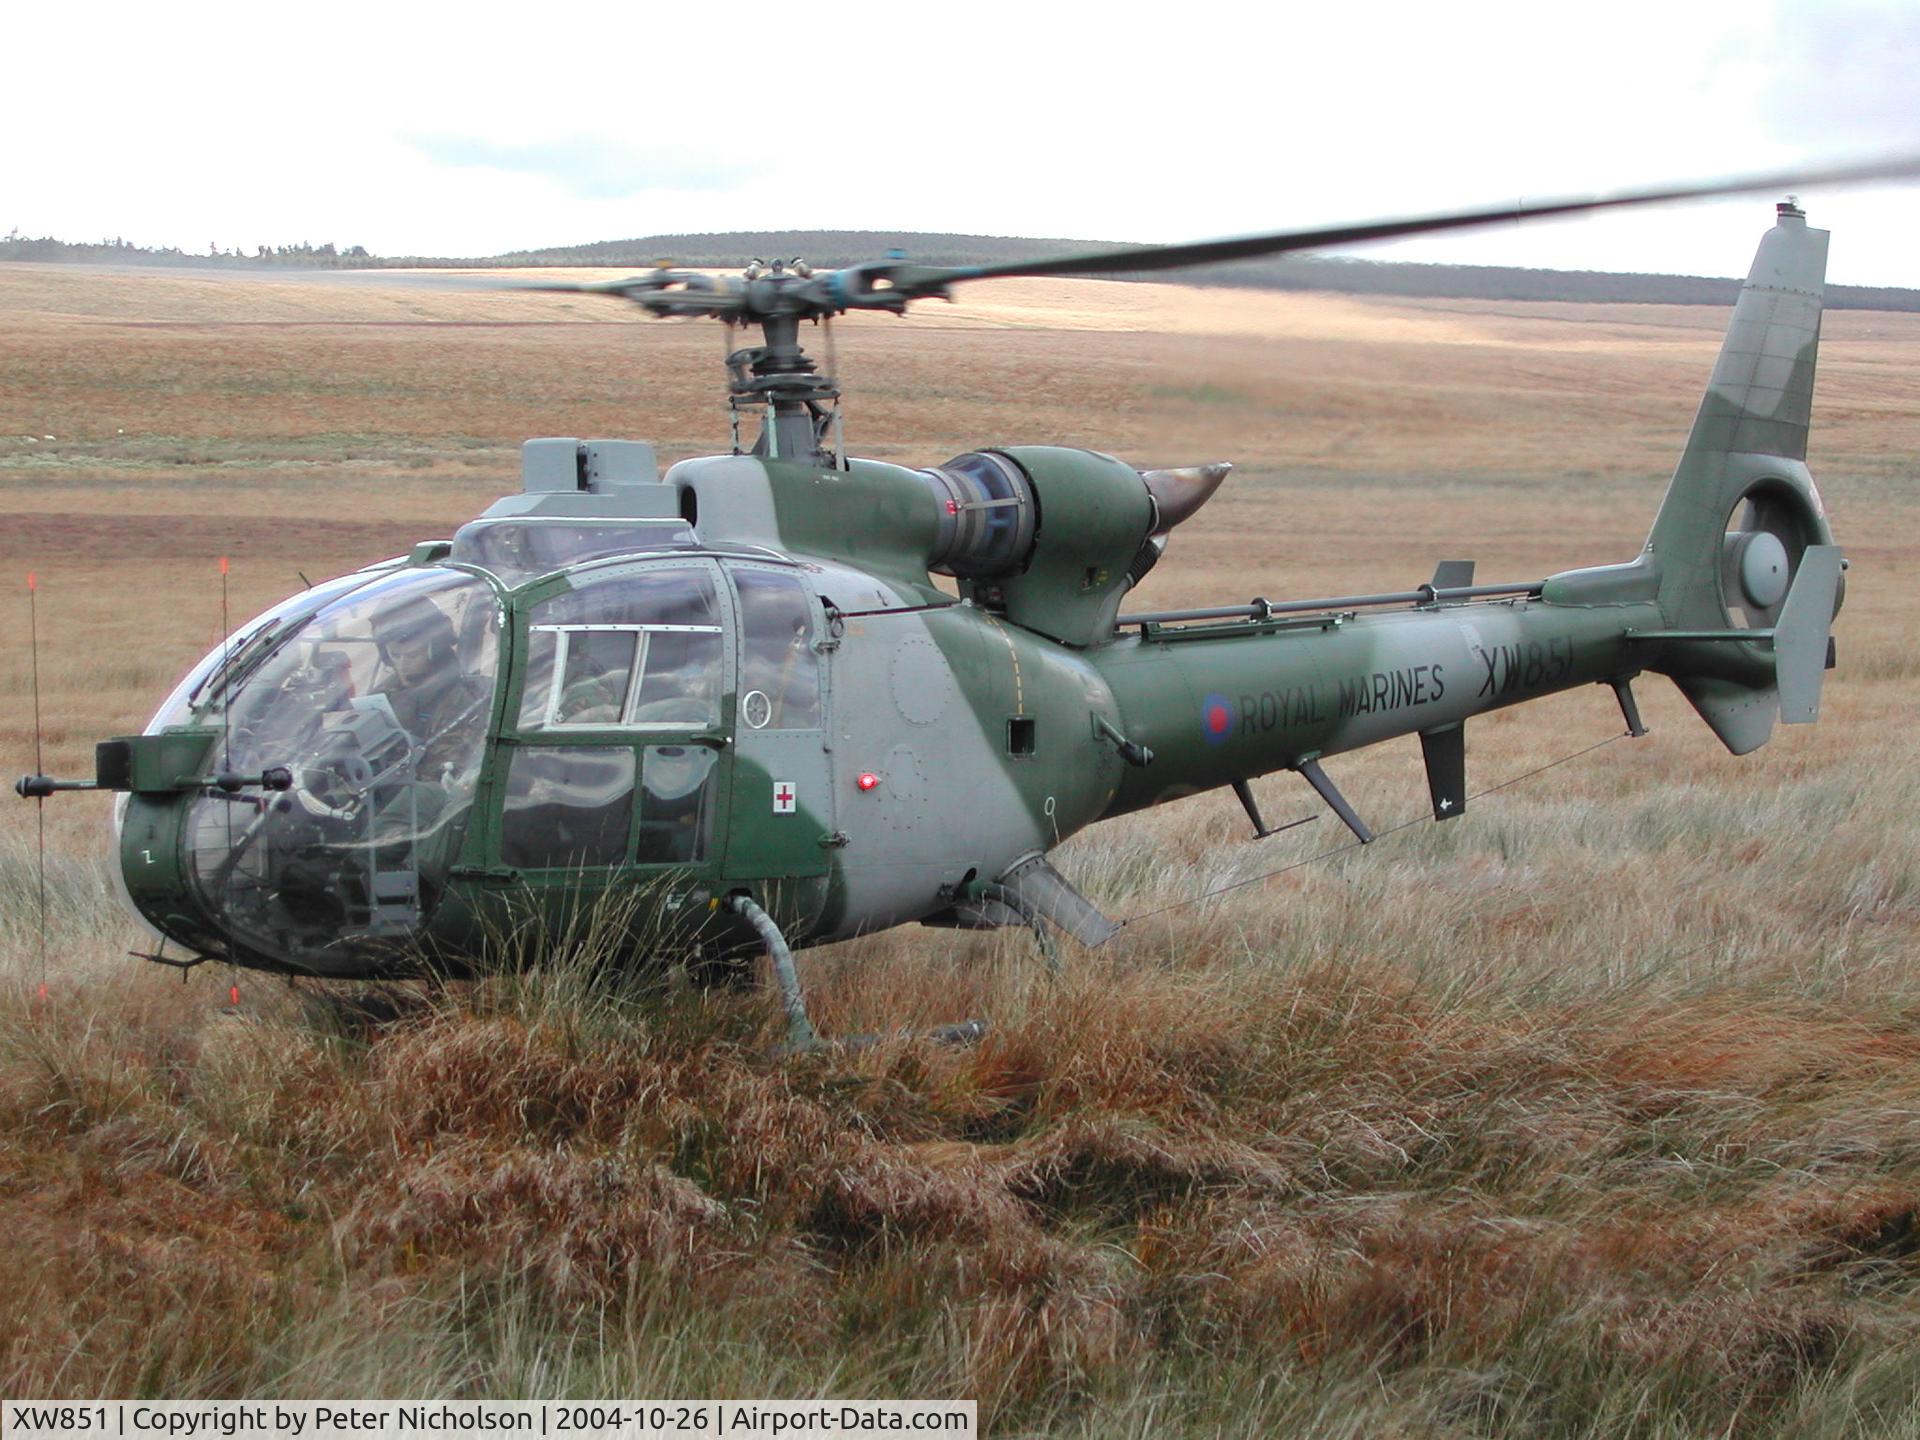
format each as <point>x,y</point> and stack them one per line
<point>1596,1112</point>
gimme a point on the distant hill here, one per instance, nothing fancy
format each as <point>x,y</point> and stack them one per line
<point>832,248</point>
<point>828,249</point>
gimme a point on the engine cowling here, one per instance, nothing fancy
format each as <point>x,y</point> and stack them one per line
<point>1048,534</point>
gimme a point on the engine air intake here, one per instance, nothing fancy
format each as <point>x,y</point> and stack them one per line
<point>987,516</point>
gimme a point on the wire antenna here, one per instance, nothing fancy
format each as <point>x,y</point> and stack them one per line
<point>39,768</point>
<point>227,699</point>
<point>226,659</point>
<point>1320,855</point>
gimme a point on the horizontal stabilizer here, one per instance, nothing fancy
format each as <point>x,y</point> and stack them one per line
<point>1800,637</point>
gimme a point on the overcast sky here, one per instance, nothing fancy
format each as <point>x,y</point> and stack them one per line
<point>463,134</point>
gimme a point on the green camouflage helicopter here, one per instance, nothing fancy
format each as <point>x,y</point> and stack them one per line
<point>735,691</point>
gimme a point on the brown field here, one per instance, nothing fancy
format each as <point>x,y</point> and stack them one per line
<point>1594,1113</point>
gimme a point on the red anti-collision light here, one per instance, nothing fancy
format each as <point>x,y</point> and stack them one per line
<point>867,780</point>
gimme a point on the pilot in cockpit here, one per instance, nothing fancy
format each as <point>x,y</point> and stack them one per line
<point>321,685</point>
<point>433,694</point>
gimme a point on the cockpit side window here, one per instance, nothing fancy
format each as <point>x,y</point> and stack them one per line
<point>567,806</point>
<point>779,669</point>
<point>633,650</point>
<point>596,676</point>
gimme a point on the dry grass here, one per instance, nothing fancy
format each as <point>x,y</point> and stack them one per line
<point>1218,1181</point>
<point>1596,1112</point>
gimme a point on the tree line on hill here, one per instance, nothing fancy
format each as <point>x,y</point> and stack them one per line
<point>116,251</point>
<point>834,248</point>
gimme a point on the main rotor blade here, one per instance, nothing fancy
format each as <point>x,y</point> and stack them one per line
<point>664,292</point>
<point>893,284</point>
<point>1283,242</point>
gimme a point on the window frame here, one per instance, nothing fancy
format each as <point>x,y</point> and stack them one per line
<point>556,687</point>
<point>639,737</point>
<point>818,647</point>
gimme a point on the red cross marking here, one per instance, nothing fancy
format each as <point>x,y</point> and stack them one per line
<point>783,796</point>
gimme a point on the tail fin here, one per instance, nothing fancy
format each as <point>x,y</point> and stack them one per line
<point>1742,511</point>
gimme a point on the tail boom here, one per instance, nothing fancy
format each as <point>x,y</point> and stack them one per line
<point>1229,702</point>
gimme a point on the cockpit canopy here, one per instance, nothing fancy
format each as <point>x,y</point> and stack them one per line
<point>376,705</point>
<point>516,548</point>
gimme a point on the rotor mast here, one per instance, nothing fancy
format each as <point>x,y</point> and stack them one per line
<point>777,381</point>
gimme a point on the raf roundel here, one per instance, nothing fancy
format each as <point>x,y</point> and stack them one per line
<point>1216,718</point>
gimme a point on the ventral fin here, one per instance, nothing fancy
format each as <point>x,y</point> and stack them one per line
<point>1445,751</point>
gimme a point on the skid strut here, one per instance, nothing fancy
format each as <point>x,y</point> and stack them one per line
<point>800,1032</point>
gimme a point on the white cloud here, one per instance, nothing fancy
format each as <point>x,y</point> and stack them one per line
<point>412,133</point>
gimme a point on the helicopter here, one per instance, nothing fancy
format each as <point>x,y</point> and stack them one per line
<point>735,694</point>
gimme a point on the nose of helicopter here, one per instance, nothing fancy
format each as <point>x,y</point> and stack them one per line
<point>323,768</point>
